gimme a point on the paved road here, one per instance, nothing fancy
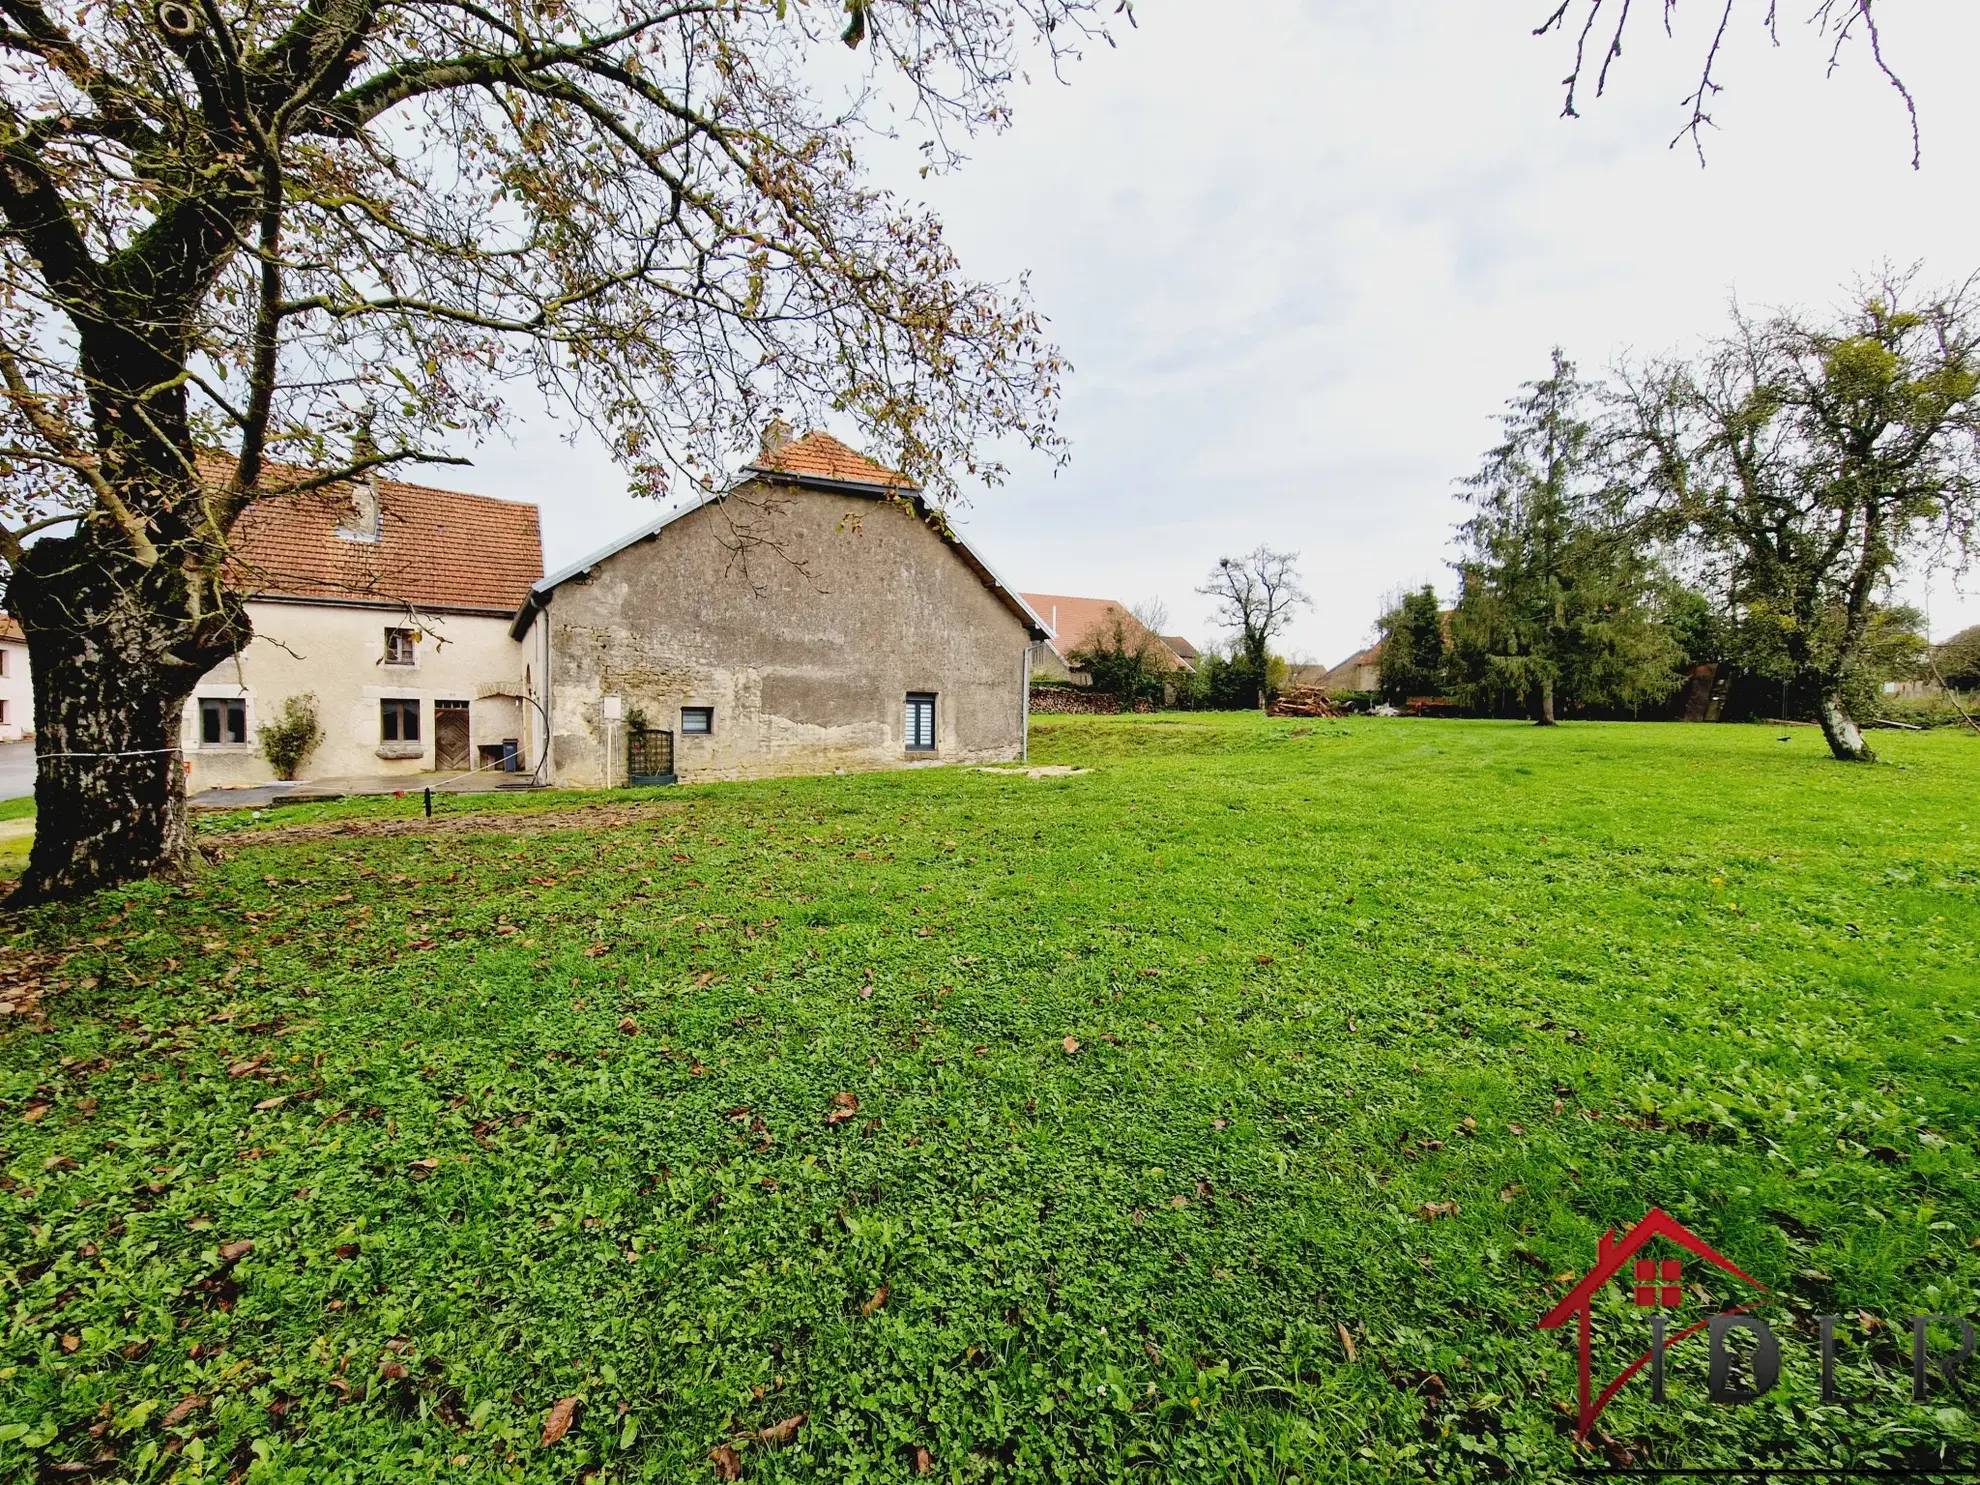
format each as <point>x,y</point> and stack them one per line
<point>16,770</point>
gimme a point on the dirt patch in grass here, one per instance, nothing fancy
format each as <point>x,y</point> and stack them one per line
<point>479,822</point>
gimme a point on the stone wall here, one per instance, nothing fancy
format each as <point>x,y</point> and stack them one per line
<point>803,619</point>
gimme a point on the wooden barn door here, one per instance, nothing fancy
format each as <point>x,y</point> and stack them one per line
<point>450,735</point>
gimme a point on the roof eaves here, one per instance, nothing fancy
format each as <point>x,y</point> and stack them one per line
<point>542,588</point>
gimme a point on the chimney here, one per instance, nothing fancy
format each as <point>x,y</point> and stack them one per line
<point>776,433</point>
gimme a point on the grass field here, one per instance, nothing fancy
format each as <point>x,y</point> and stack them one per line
<point>1229,1111</point>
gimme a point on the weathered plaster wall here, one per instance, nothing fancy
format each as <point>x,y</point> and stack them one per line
<point>338,654</point>
<point>16,691</point>
<point>807,670</point>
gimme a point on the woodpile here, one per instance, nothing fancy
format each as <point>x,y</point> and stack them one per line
<point>1303,701</point>
<point>1065,701</point>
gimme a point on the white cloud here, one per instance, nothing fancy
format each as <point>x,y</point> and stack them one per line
<point>1300,254</point>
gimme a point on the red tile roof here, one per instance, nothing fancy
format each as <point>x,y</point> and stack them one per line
<point>821,456</point>
<point>1080,621</point>
<point>436,548</point>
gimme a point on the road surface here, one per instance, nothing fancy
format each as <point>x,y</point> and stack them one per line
<point>16,770</point>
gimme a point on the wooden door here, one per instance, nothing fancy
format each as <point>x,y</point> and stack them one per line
<point>450,736</point>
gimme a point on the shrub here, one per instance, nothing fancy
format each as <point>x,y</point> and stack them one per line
<point>292,736</point>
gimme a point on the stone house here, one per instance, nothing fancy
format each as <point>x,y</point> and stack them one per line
<point>819,616</point>
<point>16,682</point>
<point>390,604</point>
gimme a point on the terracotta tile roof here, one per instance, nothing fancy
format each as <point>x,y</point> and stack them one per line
<point>10,628</point>
<point>822,456</point>
<point>1184,650</point>
<point>437,548</point>
<point>1079,621</point>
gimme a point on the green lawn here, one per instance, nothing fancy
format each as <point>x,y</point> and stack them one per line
<point>1227,1112</point>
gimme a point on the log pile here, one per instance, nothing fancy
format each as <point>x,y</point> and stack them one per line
<point>1303,701</point>
<point>1065,701</point>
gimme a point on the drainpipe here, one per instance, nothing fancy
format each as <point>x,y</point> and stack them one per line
<point>549,706</point>
<point>1024,704</point>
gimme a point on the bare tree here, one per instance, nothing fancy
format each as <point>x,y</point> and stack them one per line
<point>256,248</point>
<point>1256,597</point>
<point>1600,26</point>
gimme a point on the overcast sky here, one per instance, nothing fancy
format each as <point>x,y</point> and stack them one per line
<point>1300,256</point>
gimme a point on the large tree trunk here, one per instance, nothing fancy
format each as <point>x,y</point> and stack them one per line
<point>115,648</point>
<point>1844,736</point>
<point>1546,717</point>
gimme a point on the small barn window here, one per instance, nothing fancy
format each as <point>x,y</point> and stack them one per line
<point>921,721</point>
<point>697,720</point>
<point>222,719</point>
<point>399,647</point>
<point>398,721</point>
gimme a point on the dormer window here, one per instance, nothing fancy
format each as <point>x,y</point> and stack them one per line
<point>401,646</point>
<point>366,519</point>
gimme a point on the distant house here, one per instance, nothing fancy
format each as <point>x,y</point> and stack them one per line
<point>16,685</point>
<point>1361,671</point>
<point>819,615</point>
<point>390,603</point>
<point>1183,650</point>
<point>1077,623</point>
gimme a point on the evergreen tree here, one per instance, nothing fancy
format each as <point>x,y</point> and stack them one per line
<point>1412,646</point>
<point>1556,604</point>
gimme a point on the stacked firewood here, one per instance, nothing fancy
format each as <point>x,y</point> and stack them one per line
<point>1303,701</point>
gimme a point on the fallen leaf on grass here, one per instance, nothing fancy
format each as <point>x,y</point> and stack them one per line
<point>706,978</point>
<point>1515,1129</point>
<point>242,1069</point>
<point>779,1434</point>
<point>231,1253</point>
<point>726,1462</point>
<point>1430,1211</point>
<point>844,1106</point>
<point>392,1371</point>
<point>271,1103</point>
<point>424,943</point>
<point>1263,959</point>
<point>71,1343</point>
<point>924,1462</point>
<point>419,1170</point>
<point>557,1422</point>
<point>629,1026</point>
<point>597,949</point>
<point>182,1409</point>
<point>34,1112</point>
<point>879,1299</point>
<point>346,1250</point>
<point>1179,1202</point>
<point>1071,1044</point>
<point>1347,1341</point>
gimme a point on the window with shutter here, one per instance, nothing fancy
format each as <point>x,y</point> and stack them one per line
<point>920,729</point>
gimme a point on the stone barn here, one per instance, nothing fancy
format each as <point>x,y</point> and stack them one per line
<point>817,617</point>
